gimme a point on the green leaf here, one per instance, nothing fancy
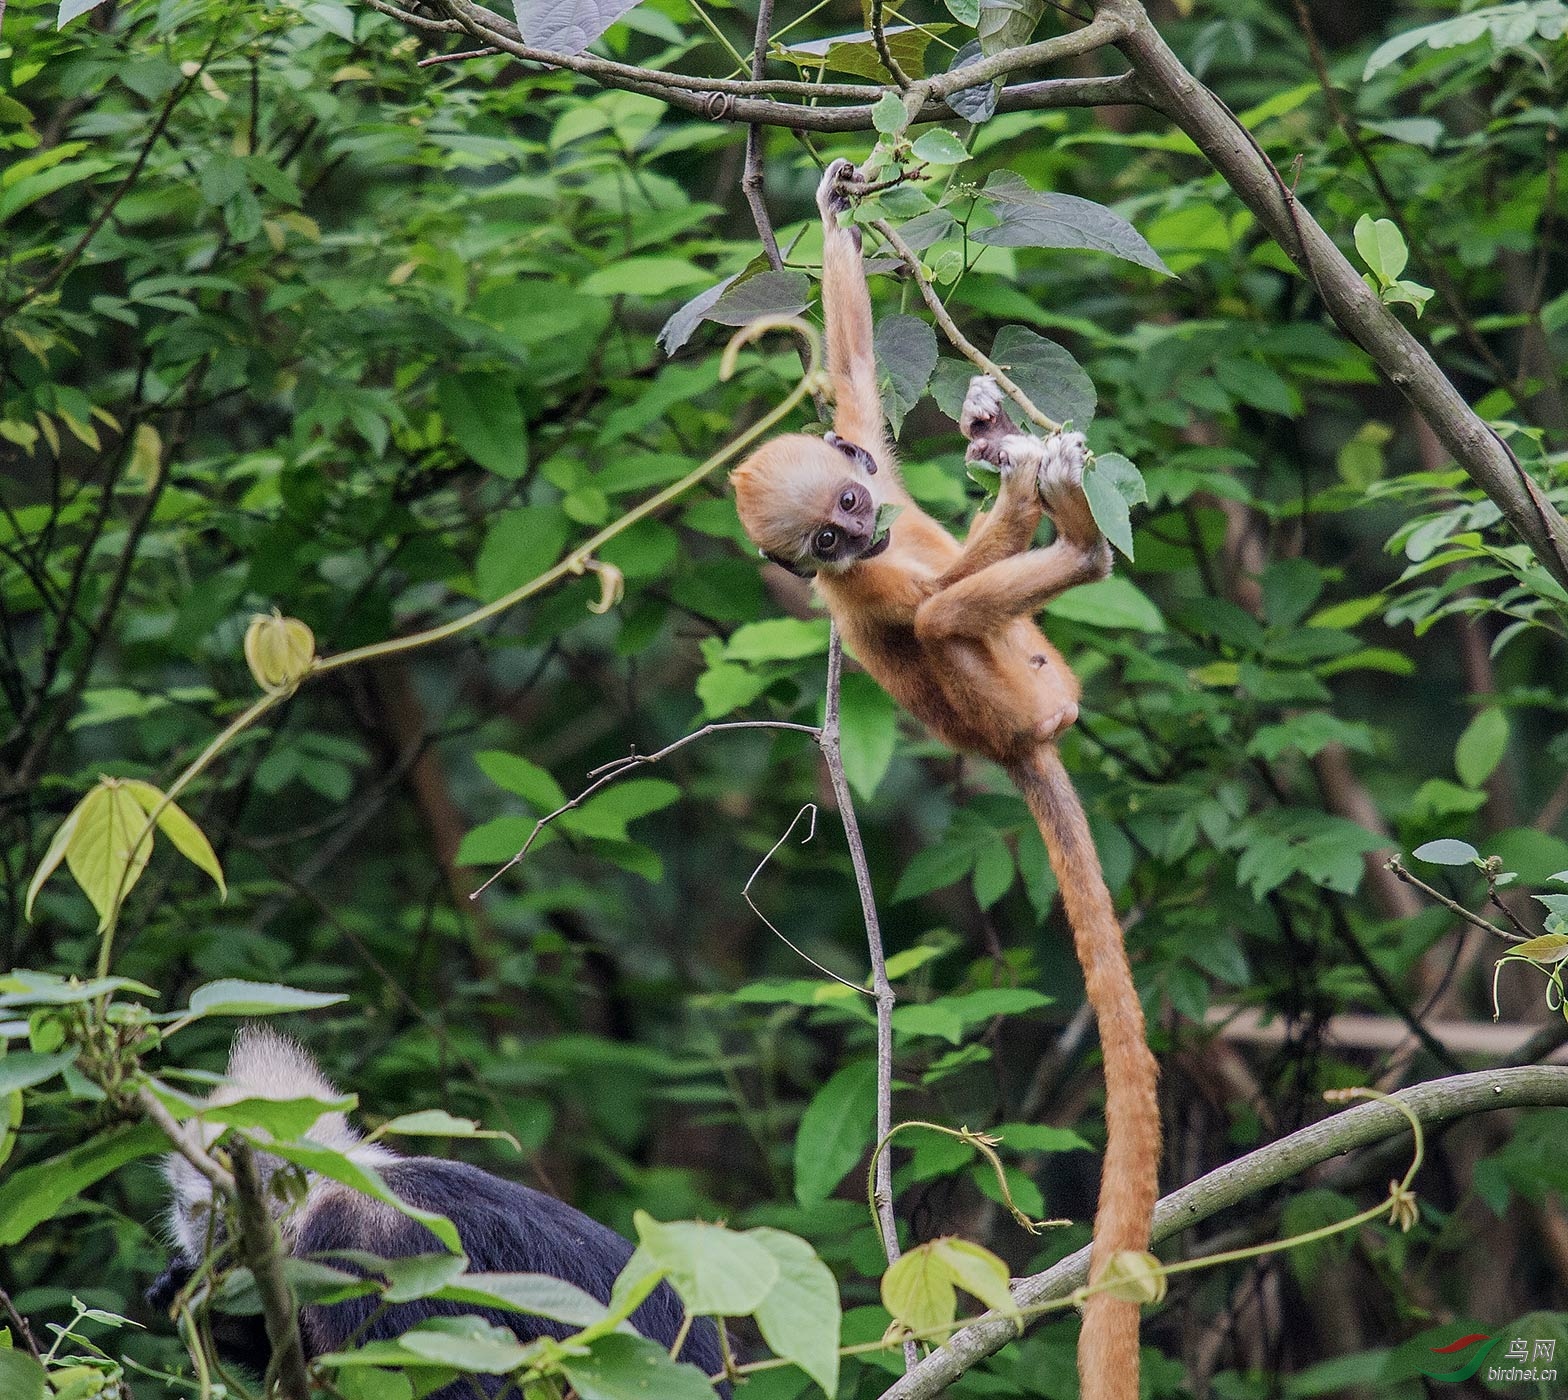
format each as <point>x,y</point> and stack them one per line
<point>538,1295</point>
<point>187,838</point>
<point>801,1318</point>
<point>1382,247</point>
<point>327,1162</point>
<point>497,840</point>
<point>1050,376</point>
<point>716,1271</point>
<point>778,639</point>
<point>464,1343</point>
<point>21,1378</point>
<point>1038,1137</point>
<point>868,732</point>
<point>619,1367</point>
<point>1005,24</point>
<point>232,997</point>
<point>979,1272</point>
<point>888,114</point>
<point>21,1069</point>
<point>835,1131</point>
<point>1113,485</point>
<point>282,1118</point>
<point>643,277</point>
<point>906,354</point>
<point>940,147</point>
<point>918,1291</point>
<point>1507,26</point>
<point>766,294</point>
<point>1114,602</point>
<point>523,778</point>
<point>1481,747</point>
<point>726,687</point>
<point>1447,852</point>
<point>607,813</point>
<point>520,545</point>
<point>484,418</point>
<point>99,854</point>
<point>1548,948</point>
<point>16,195</point>
<point>58,844</point>
<point>34,1193</point>
<point>437,1122</point>
<point>26,988</point>
<point>1030,218</point>
<point>857,53</point>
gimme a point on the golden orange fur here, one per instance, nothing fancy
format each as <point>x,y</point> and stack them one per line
<point>947,629</point>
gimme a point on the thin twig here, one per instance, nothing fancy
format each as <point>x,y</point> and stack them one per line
<point>1398,871</point>
<point>607,773</point>
<point>832,754</point>
<point>186,1141</point>
<point>811,809</point>
<point>20,1324</point>
<point>436,58</point>
<point>961,342</point>
<point>884,52</point>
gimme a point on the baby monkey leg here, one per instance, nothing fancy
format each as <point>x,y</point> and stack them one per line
<point>981,601</point>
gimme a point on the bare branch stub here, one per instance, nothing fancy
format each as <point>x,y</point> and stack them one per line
<point>607,773</point>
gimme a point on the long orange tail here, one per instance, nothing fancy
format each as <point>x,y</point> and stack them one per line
<point>1129,1181</point>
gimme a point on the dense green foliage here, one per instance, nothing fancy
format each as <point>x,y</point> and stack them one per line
<point>291,322</point>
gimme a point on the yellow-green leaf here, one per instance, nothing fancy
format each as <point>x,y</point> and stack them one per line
<point>99,852</point>
<point>1548,948</point>
<point>1134,1277</point>
<point>53,856</point>
<point>918,1290</point>
<point>976,1270</point>
<point>188,838</point>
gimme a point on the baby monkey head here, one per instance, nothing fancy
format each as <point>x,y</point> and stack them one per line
<point>810,503</point>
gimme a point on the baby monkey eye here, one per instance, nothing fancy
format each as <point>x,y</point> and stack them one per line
<point>825,540</point>
<point>847,500</point>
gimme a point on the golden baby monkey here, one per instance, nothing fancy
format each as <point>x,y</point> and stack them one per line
<point>948,630</point>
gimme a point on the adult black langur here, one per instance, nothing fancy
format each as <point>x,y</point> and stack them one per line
<point>504,1228</point>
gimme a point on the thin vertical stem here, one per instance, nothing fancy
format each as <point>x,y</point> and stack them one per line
<point>881,988</point>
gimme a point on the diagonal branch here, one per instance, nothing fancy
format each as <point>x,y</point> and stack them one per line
<point>1437,1102</point>
<point>1233,152</point>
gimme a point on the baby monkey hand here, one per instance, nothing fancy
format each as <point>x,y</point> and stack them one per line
<point>832,201</point>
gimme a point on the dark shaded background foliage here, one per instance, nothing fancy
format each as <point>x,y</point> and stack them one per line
<point>310,327</point>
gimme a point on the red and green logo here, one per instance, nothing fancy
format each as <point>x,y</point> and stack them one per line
<point>1476,1347</point>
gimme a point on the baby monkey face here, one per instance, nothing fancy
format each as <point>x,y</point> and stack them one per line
<point>809,503</point>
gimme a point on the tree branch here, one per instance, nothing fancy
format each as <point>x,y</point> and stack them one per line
<point>1434,1103</point>
<point>262,1251</point>
<point>753,101</point>
<point>1230,148</point>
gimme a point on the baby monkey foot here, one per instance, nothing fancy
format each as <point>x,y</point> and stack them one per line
<point>981,405</point>
<point>1057,461</point>
<point>832,201</point>
<point>1062,457</point>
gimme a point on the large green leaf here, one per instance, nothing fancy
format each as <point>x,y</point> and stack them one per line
<point>835,1130</point>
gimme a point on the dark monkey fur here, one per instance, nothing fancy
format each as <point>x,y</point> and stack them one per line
<point>504,1228</point>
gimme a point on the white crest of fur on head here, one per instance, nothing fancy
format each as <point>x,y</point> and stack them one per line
<point>263,1064</point>
<point>785,490</point>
